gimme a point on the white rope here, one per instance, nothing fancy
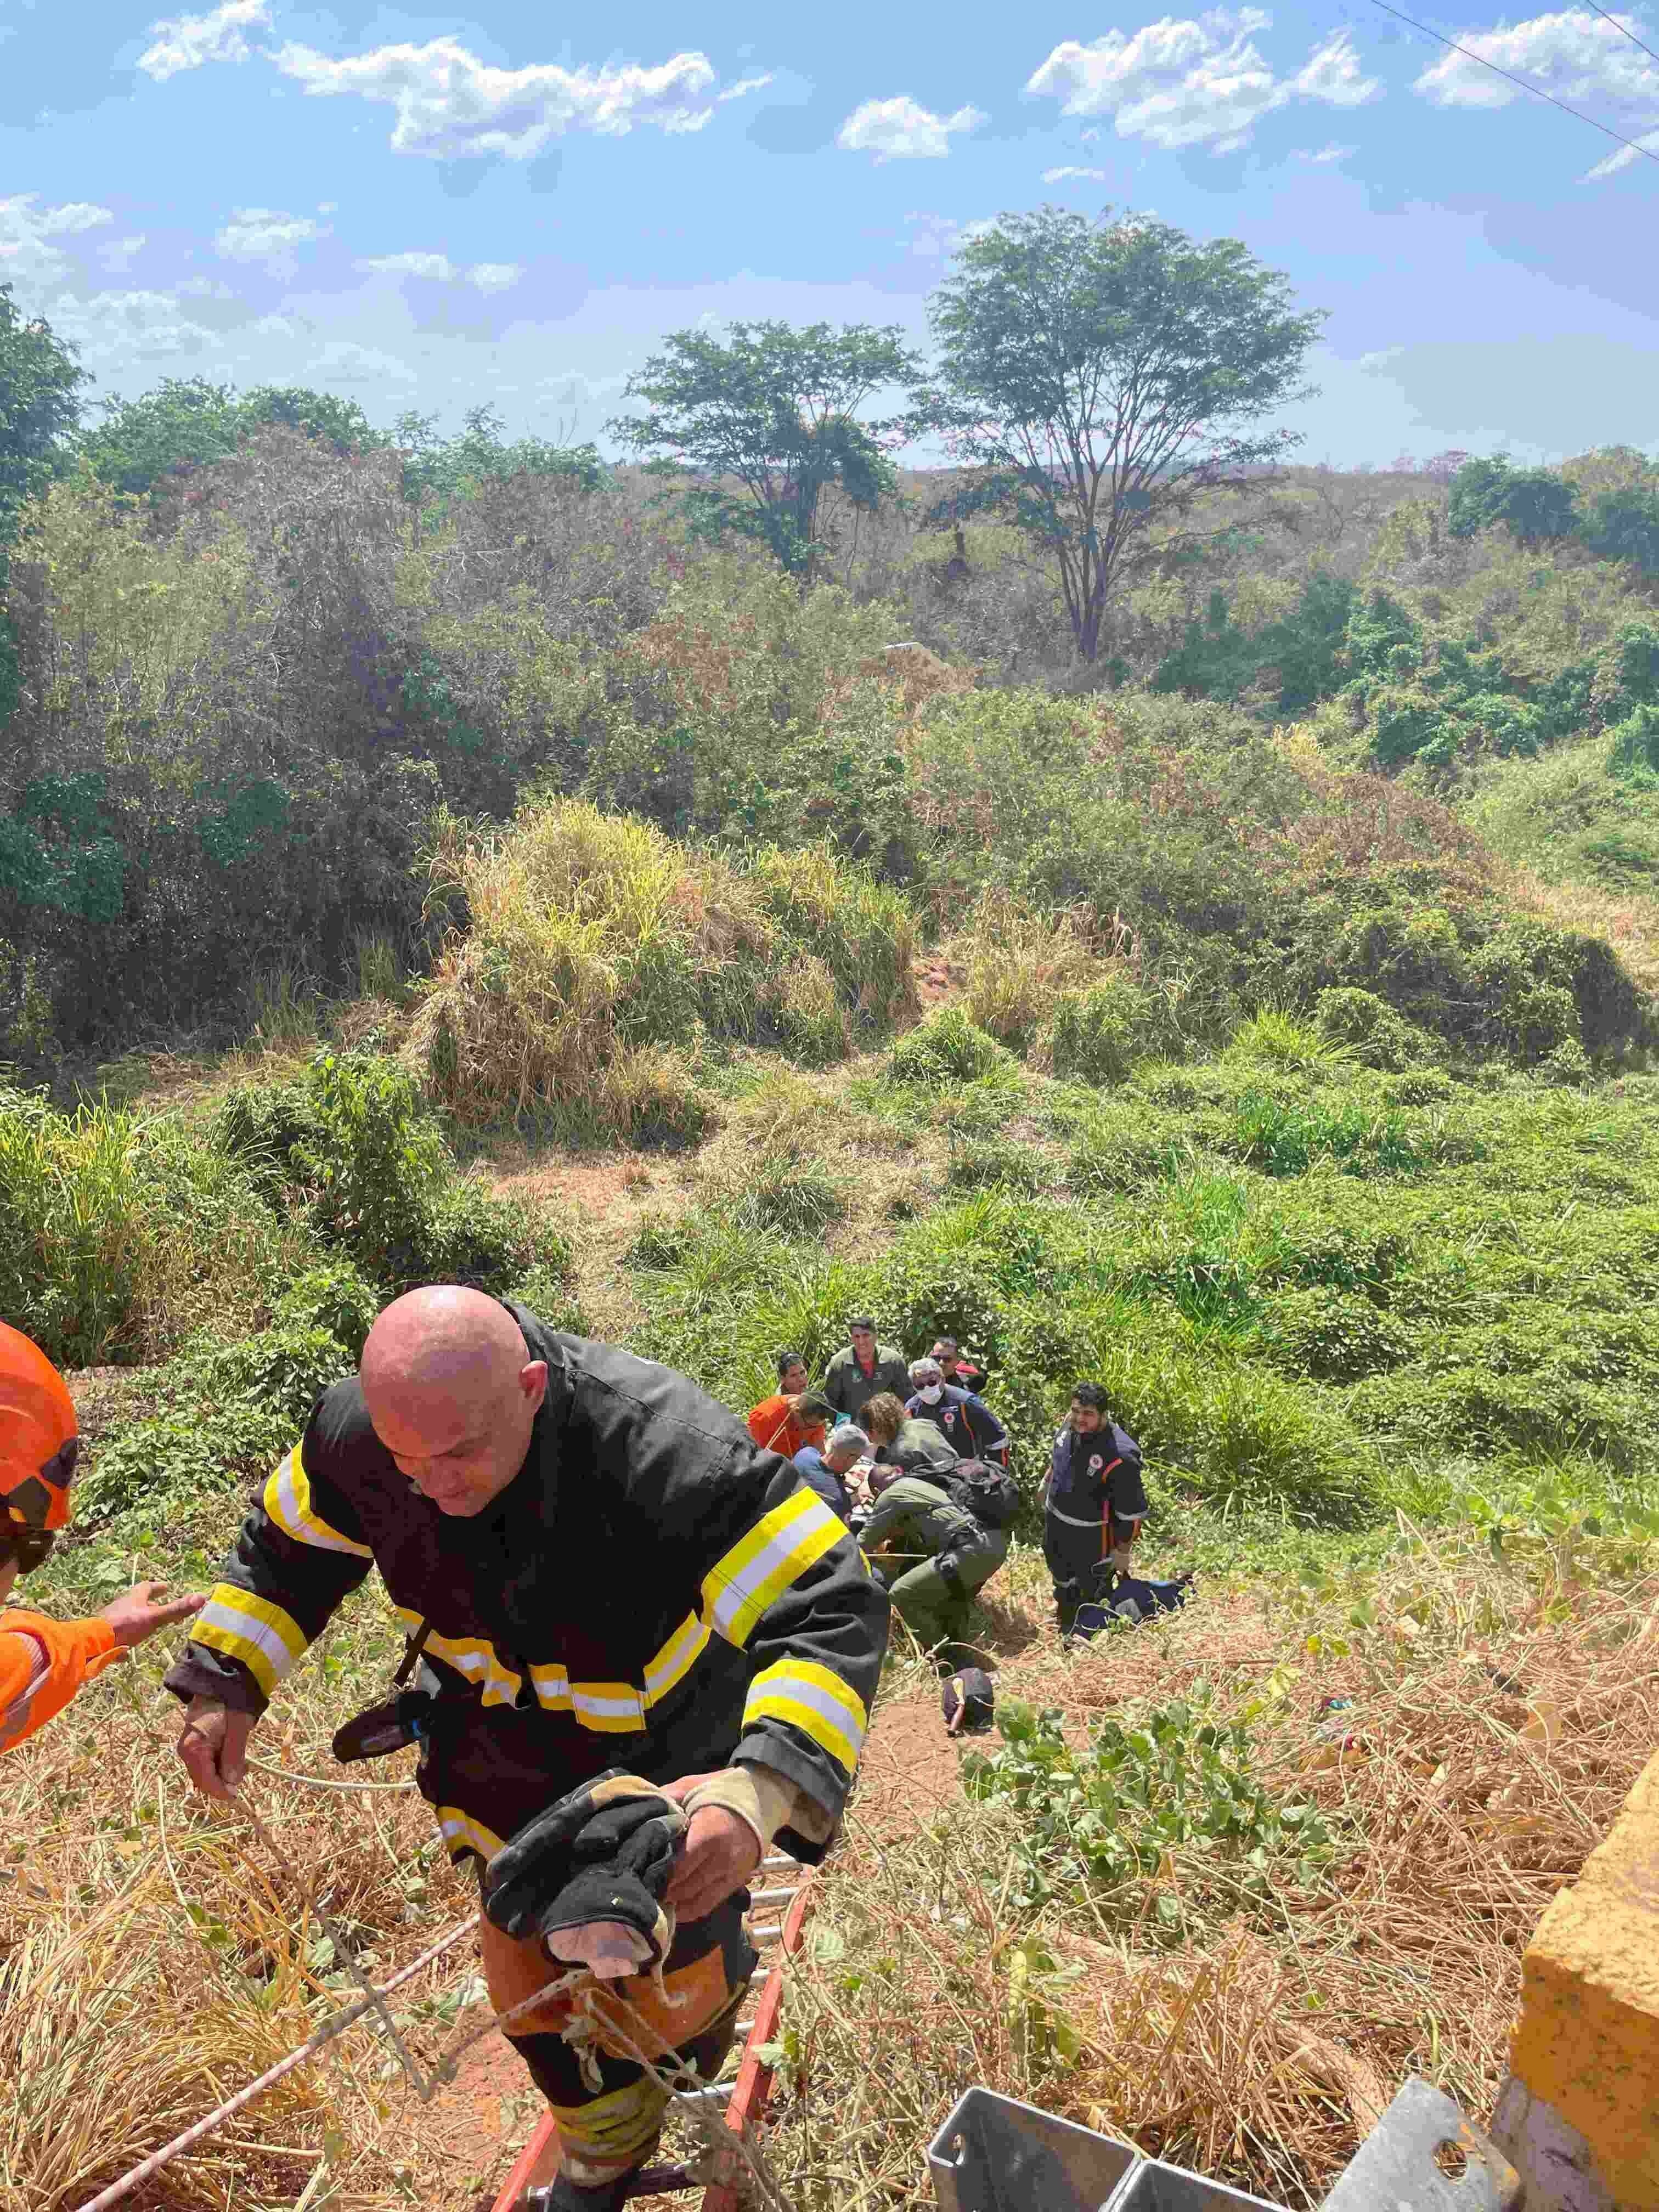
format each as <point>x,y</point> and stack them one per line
<point>317,1782</point>
<point>336,2026</point>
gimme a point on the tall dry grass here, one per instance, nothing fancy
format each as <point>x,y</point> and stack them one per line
<point>595,948</point>
<point>1494,1740</point>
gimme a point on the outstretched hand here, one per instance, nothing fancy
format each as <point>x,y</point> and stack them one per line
<point>719,1853</point>
<point>137,1613</point>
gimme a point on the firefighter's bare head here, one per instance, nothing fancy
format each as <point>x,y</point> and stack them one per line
<point>453,1392</point>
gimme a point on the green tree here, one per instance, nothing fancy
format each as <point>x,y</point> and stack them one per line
<point>777,408</point>
<point>38,411</point>
<point>38,408</point>
<point>438,470</point>
<point>1095,376</point>
<point>189,422</point>
<point>1623,525</point>
<point>1534,505</point>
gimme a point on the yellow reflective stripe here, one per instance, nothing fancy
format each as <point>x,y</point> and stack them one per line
<point>676,1660</point>
<point>261,1635</point>
<point>288,1501</point>
<point>815,1701</point>
<point>608,1708</point>
<point>761,1564</point>
<point>461,1833</point>
<point>473,1656</point>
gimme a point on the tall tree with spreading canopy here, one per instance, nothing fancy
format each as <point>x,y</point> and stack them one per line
<point>38,411</point>
<point>1094,376</point>
<point>774,408</point>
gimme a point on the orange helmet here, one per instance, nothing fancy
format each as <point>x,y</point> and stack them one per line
<point>39,1444</point>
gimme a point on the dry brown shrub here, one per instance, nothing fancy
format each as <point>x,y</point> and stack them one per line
<point>918,674</point>
<point>1015,962</point>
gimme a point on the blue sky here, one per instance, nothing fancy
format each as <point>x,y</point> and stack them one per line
<point>429,212</point>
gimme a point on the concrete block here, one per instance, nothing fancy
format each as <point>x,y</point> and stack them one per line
<point>1586,2045</point>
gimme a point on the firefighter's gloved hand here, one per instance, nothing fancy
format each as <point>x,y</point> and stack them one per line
<point>1120,1557</point>
<point>598,1859</point>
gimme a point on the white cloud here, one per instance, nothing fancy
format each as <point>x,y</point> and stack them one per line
<point>75,215</point>
<point>436,267</point>
<point>117,257</point>
<point>1331,153</point>
<point>1580,58</point>
<point>1625,155</point>
<point>1576,55</point>
<point>903,129</point>
<point>342,361</point>
<point>28,252</point>
<point>744,84</point>
<point>1060,176</point>
<point>205,288</point>
<point>129,327</point>
<point>449,105</point>
<point>185,42</point>
<point>267,236</point>
<point>1179,82</point>
<point>439,269</point>
<point>939,236</point>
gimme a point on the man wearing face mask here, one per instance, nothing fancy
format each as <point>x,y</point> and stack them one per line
<point>966,1422</point>
<point>599,1568</point>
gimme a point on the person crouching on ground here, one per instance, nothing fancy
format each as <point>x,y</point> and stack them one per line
<point>1094,1503</point>
<point>937,1554</point>
<point>825,1472</point>
<point>966,1422</point>
<point>43,1662</point>
<point>788,1420</point>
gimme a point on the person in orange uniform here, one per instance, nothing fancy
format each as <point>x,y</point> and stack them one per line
<point>793,1417</point>
<point>43,1662</point>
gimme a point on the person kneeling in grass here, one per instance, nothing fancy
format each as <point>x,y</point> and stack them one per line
<point>43,1662</point>
<point>937,1554</point>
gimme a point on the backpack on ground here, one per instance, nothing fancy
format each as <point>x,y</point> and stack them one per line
<point>988,1492</point>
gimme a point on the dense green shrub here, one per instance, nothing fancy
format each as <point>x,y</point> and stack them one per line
<point>1334,1338</point>
<point>947,1050</point>
<point>1372,1031</point>
<point>352,1143</point>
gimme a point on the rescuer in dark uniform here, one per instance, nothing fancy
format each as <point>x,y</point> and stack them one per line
<point>601,1568</point>
<point>1094,1503</point>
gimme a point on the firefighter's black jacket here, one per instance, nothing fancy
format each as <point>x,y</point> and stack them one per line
<point>651,1587</point>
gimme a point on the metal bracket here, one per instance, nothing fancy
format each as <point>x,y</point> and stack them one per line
<point>994,2154</point>
<point>1396,2166</point>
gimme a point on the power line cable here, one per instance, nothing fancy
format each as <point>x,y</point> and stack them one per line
<point>1627,29</point>
<point>1607,130</point>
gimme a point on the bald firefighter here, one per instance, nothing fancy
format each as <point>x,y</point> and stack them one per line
<point>43,1661</point>
<point>600,1569</point>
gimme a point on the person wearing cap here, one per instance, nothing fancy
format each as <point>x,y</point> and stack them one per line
<point>825,1472</point>
<point>1094,1503</point>
<point>862,1370</point>
<point>966,1422</point>
<point>43,1661</point>
<point>786,1422</point>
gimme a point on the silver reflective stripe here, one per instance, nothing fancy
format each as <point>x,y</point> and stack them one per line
<point>1054,1514</point>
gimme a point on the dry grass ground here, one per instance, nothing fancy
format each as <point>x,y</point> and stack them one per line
<point>1493,1739</point>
